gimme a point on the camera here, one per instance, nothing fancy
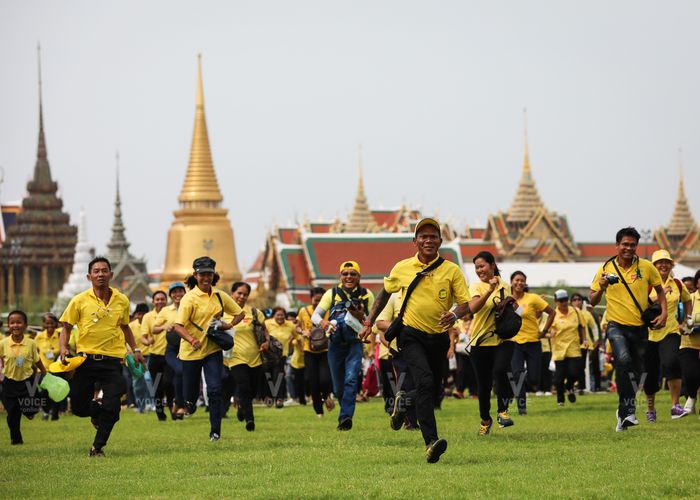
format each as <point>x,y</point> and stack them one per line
<point>353,303</point>
<point>612,279</point>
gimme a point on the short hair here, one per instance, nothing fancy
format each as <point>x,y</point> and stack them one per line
<point>489,258</point>
<point>153,297</point>
<point>278,308</point>
<point>19,313</point>
<point>239,284</point>
<point>141,308</point>
<point>687,278</point>
<point>49,315</point>
<point>317,290</point>
<point>518,273</point>
<point>97,259</point>
<point>627,231</point>
<point>575,296</point>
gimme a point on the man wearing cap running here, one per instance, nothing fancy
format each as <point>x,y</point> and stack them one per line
<point>627,333</point>
<point>424,339</point>
<point>347,304</point>
<point>102,317</point>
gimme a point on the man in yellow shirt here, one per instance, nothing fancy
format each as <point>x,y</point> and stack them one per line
<point>427,316</point>
<point>625,281</point>
<point>347,305</point>
<point>101,313</point>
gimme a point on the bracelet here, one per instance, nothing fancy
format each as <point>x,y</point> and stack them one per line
<point>455,315</point>
<point>137,350</point>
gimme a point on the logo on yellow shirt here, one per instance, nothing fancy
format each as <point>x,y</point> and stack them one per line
<point>442,294</point>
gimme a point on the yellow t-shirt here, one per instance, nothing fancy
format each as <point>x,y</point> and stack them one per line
<point>245,345</point>
<point>297,360</point>
<point>435,294</point>
<point>49,347</point>
<point>157,318</point>
<point>99,324</point>
<point>546,344</point>
<point>283,333</point>
<point>531,305</point>
<point>673,296</point>
<point>135,326</point>
<point>566,342</point>
<point>484,322</point>
<point>389,314</point>
<point>18,358</point>
<point>198,307</point>
<point>592,333</point>
<point>692,341</point>
<point>639,277</point>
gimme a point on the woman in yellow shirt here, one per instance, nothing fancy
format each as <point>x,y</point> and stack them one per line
<point>568,337</point>
<point>528,347</point>
<point>48,346</point>
<point>296,361</point>
<point>689,353</point>
<point>279,327</point>
<point>19,360</point>
<point>490,355</point>
<point>153,330</point>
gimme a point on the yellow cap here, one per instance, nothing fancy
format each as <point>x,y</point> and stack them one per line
<point>70,365</point>
<point>350,264</point>
<point>427,222</point>
<point>661,255</point>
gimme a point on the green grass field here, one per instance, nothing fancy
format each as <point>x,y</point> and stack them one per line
<point>553,452</point>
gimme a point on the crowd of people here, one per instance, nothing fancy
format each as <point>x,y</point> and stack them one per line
<point>425,336</point>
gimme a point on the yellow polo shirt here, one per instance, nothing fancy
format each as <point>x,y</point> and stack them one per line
<point>49,347</point>
<point>532,305</point>
<point>152,319</point>
<point>245,345</point>
<point>99,324</point>
<point>18,358</point>
<point>201,308</point>
<point>673,296</point>
<point>389,313</point>
<point>693,341</point>
<point>566,342</point>
<point>135,326</point>
<point>546,344</point>
<point>435,294</point>
<point>283,333</point>
<point>484,322</point>
<point>326,305</point>
<point>592,333</point>
<point>297,360</point>
<point>640,276</point>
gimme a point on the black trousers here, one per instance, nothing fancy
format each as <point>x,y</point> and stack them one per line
<point>527,354</point>
<point>465,378</point>
<point>299,379</point>
<point>425,354</point>
<point>108,374</point>
<point>566,373</point>
<point>594,363</point>
<point>581,376</point>
<point>403,381</point>
<point>162,378</point>
<point>690,367</point>
<point>20,397</point>
<point>228,389</point>
<point>273,384</point>
<point>546,375</point>
<point>319,376</point>
<point>491,366</point>
<point>661,359</point>
<point>246,379</point>
<point>386,377</point>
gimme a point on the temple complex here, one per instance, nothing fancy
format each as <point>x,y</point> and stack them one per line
<point>37,252</point>
<point>201,225</point>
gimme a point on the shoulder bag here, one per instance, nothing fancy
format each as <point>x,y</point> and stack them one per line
<point>650,313</point>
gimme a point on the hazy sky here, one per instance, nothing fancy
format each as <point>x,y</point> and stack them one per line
<point>434,91</point>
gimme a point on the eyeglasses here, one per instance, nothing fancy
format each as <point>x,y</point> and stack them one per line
<point>349,273</point>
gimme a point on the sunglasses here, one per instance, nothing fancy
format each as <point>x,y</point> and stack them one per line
<point>349,273</point>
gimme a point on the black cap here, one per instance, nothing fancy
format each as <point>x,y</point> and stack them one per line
<point>204,265</point>
<point>141,308</point>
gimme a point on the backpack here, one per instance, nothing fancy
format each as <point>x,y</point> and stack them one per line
<point>508,320</point>
<point>273,353</point>
<point>343,333</point>
<point>318,341</point>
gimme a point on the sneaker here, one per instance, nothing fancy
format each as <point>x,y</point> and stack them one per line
<point>651,416</point>
<point>619,427</point>
<point>485,427</point>
<point>690,406</point>
<point>54,418</point>
<point>345,424</point>
<point>571,396</point>
<point>330,403</point>
<point>96,452</point>
<point>434,450</point>
<point>522,411</point>
<point>630,421</point>
<point>398,413</point>
<point>44,416</point>
<point>560,404</point>
<point>677,411</point>
<point>290,402</point>
<point>504,419</point>
<point>250,426</point>
<point>161,415</point>
<point>214,437</point>
<point>547,393</point>
<point>539,393</point>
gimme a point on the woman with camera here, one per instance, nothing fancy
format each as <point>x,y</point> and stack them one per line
<point>279,327</point>
<point>662,354</point>
<point>198,309</point>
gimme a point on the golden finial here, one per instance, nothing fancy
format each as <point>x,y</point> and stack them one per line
<point>200,91</point>
<point>526,161</point>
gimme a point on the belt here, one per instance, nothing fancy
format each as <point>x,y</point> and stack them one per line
<point>100,357</point>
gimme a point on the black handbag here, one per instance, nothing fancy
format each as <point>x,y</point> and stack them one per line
<point>273,353</point>
<point>650,313</point>
<point>397,325</point>
<point>222,338</point>
<point>508,321</point>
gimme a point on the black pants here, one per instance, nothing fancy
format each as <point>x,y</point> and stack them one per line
<point>18,401</point>
<point>162,378</point>
<point>594,363</point>
<point>403,381</point>
<point>528,354</point>
<point>690,367</point>
<point>228,389</point>
<point>581,375</point>
<point>319,376</point>
<point>386,377</point>
<point>661,359</point>
<point>246,379</point>
<point>465,378</point>
<point>545,375</point>
<point>299,378</point>
<point>108,374</point>
<point>175,364</point>
<point>273,384</point>
<point>491,366</point>
<point>566,373</point>
<point>425,354</point>
<point>628,345</point>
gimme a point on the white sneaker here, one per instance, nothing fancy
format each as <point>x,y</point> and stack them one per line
<point>630,420</point>
<point>690,406</point>
<point>539,393</point>
<point>547,393</point>
<point>619,427</point>
<point>290,402</point>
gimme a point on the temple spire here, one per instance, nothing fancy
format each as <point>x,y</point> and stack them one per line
<point>682,221</point>
<point>42,172</point>
<point>360,218</point>
<point>118,246</point>
<point>200,188</point>
<point>527,199</point>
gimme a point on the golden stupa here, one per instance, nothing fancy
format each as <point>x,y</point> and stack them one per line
<point>201,226</point>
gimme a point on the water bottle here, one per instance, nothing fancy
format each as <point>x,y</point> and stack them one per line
<point>329,330</point>
<point>353,322</point>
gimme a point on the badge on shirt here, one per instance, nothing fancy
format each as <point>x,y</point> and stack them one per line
<point>49,354</point>
<point>442,294</point>
<point>19,361</point>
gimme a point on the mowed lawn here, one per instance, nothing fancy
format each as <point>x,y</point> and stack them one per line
<point>552,452</point>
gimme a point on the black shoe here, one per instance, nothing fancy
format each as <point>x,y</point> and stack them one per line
<point>190,407</point>
<point>213,437</point>
<point>571,396</point>
<point>96,452</point>
<point>54,417</point>
<point>346,424</point>
<point>250,426</point>
<point>434,450</point>
<point>239,414</point>
<point>161,416</point>
<point>17,441</point>
<point>398,413</point>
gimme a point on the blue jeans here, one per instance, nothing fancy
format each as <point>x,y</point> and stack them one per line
<point>213,366</point>
<point>345,361</point>
<point>628,345</point>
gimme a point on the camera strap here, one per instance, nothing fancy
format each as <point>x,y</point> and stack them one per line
<point>624,282</point>
<point>416,280</point>
<point>221,314</point>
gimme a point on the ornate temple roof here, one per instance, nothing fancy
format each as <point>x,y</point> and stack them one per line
<point>682,221</point>
<point>527,199</point>
<point>118,246</point>
<point>360,219</point>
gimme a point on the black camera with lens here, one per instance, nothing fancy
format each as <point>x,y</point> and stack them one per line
<point>612,279</point>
